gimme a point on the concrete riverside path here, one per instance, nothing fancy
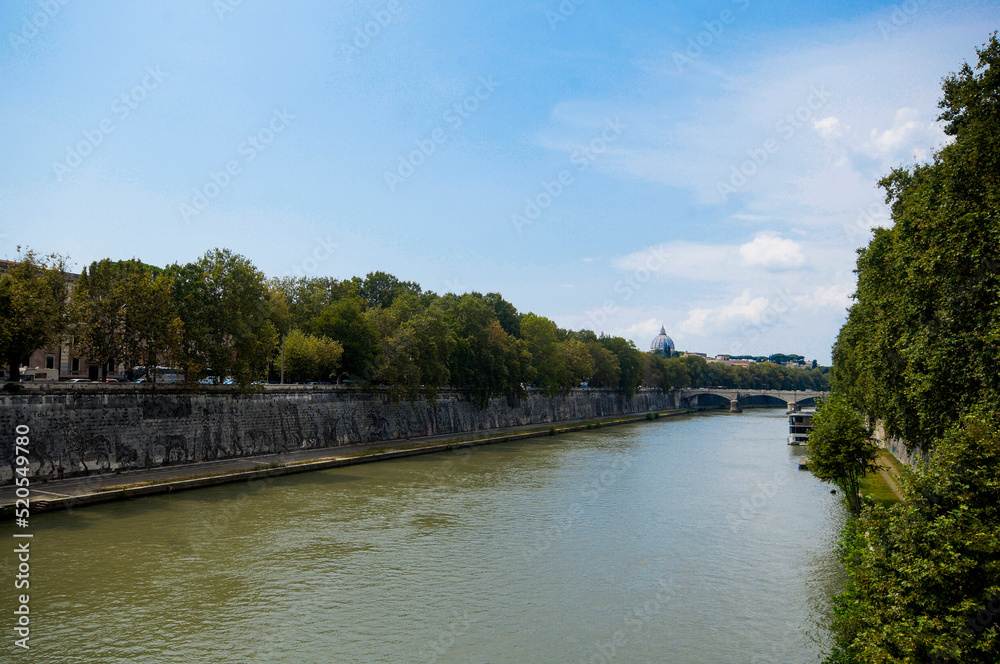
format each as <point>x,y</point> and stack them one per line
<point>107,487</point>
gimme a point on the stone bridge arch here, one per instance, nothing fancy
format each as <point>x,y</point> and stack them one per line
<point>714,396</point>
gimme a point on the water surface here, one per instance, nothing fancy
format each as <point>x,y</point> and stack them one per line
<point>685,540</point>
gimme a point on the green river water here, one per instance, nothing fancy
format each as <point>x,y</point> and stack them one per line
<point>686,540</point>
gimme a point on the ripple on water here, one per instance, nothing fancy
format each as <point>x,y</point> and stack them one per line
<point>539,550</point>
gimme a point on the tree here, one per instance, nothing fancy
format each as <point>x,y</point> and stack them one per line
<point>547,359</point>
<point>630,362</point>
<point>225,307</point>
<point>919,354</point>
<point>485,359</point>
<point>380,289</point>
<point>346,322</point>
<point>307,297</point>
<point>154,331</point>
<point>607,371</point>
<point>924,574</point>
<point>918,348</point>
<point>841,449</point>
<point>506,314</point>
<point>579,362</point>
<point>33,306</point>
<point>415,354</point>
<point>309,358</point>
<point>97,308</point>
<point>123,312</point>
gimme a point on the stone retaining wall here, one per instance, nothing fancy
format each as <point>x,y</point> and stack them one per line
<point>103,428</point>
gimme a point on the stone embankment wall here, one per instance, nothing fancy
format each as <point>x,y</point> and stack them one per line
<point>103,428</point>
<point>897,447</point>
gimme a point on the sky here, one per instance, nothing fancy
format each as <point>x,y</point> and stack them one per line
<point>710,167</point>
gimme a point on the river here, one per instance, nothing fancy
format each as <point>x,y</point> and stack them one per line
<point>686,540</point>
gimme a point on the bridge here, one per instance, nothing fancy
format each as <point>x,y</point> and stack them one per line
<point>694,397</point>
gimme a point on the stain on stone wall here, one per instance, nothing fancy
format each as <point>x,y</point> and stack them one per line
<point>103,429</point>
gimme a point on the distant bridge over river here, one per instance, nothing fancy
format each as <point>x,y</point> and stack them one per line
<point>703,396</point>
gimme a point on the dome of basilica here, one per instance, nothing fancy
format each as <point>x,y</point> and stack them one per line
<point>662,343</point>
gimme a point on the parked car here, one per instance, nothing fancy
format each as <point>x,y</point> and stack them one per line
<point>81,380</point>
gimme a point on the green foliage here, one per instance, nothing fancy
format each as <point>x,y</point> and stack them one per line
<point>380,289</point>
<point>415,350</point>
<point>32,306</point>
<point>841,449</point>
<point>307,297</point>
<point>919,353</point>
<point>225,306</point>
<point>345,321</point>
<point>607,372</point>
<point>311,358</point>
<point>920,345</point>
<point>925,574</point>
<point>630,361</point>
<point>695,371</point>
<point>485,359</point>
<point>124,312</point>
<point>506,314</point>
<point>541,337</point>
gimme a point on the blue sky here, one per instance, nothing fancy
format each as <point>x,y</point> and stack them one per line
<point>615,166</point>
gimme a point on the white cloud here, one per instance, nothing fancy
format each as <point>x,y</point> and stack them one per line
<point>910,136</point>
<point>686,259</point>
<point>717,262</point>
<point>769,250</point>
<point>728,317</point>
<point>837,296</point>
<point>648,328</point>
<point>830,127</point>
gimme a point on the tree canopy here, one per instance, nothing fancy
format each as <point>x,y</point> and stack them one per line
<point>33,306</point>
<point>919,353</point>
<point>841,448</point>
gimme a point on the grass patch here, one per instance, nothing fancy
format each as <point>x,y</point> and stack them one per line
<point>875,486</point>
<point>892,464</point>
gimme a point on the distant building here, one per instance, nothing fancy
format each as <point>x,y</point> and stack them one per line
<point>662,343</point>
<point>728,361</point>
<point>64,357</point>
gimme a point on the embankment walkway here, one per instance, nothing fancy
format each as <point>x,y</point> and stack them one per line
<point>82,491</point>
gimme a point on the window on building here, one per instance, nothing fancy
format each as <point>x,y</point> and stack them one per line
<point>50,362</point>
<point>76,365</point>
